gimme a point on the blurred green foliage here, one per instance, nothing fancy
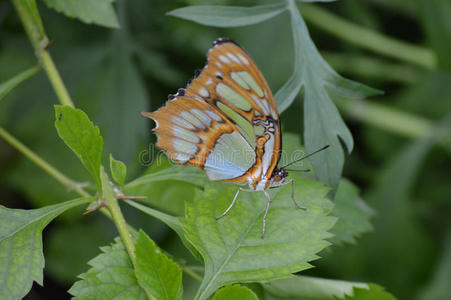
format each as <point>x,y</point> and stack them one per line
<point>114,74</point>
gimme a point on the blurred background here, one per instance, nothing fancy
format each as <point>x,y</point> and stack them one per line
<point>401,160</point>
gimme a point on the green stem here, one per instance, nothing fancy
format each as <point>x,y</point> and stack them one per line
<point>192,273</point>
<point>116,214</point>
<point>33,26</point>
<point>367,38</point>
<point>60,177</point>
<point>386,118</point>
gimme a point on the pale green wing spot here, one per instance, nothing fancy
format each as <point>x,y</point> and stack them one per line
<point>237,78</point>
<point>230,158</point>
<point>185,134</point>
<point>243,125</point>
<point>184,146</point>
<point>233,97</point>
<point>192,119</point>
<point>251,82</point>
<point>259,129</point>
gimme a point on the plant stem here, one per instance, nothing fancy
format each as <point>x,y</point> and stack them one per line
<point>191,273</point>
<point>33,26</point>
<point>116,214</point>
<point>60,177</point>
<point>367,38</point>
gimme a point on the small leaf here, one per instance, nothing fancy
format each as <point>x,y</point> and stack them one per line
<point>232,248</point>
<point>7,86</point>
<point>100,12</point>
<point>158,275</point>
<point>180,173</point>
<point>118,170</point>
<point>236,292</point>
<point>80,134</point>
<point>172,222</point>
<point>111,276</point>
<point>352,212</point>
<point>375,292</point>
<point>323,124</point>
<point>228,16</point>
<point>21,257</point>
<point>309,288</point>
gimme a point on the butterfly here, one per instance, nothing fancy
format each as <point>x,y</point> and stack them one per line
<point>226,123</point>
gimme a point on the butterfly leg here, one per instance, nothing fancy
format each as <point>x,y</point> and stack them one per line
<point>266,213</point>
<point>292,195</point>
<point>233,202</point>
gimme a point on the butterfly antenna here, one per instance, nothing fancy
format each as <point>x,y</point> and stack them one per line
<point>306,156</point>
<point>292,170</point>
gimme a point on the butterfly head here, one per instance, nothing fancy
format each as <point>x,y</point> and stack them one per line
<point>279,175</point>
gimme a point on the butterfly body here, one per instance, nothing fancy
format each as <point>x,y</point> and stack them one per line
<point>225,122</point>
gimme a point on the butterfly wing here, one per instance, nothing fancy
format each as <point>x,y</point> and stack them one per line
<point>231,86</point>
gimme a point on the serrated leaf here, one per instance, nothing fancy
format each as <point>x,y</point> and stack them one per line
<point>7,86</point>
<point>375,292</point>
<point>80,135</point>
<point>118,170</point>
<point>111,276</point>
<point>180,173</point>
<point>323,124</point>
<point>352,212</point>
<point>21,257</point>
<point>100,12</point>
<point>158,275</point>
<point>311,288</point>
<point>235,292</point>
<point>232,248</point>
<point>228,16</point>
<point>172,222</point>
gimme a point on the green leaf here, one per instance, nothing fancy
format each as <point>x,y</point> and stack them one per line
<point>158,275</point>
<point>435,17</point>
<point>118,170</point>
<point>7,86</point>
<point>172,222</point>
<point>100,12</point>
<point>111,276</point>
<point>232,248</point>
<point>21,257</point>
<point>228,16</point>
<point>236,292</point>
<point>438,287</point>
<point>323,124</point>
<point>122,96</point>
<point>375,292</point>
<point>311,288</point>
<point>352,212</point>
<point>80,134</point>
<point>180,173</point>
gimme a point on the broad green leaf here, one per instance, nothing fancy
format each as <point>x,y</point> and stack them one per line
<point>172,222</point>
<point>118,170</point>
<point>7,86</point>
<point>323,124</point>
<point>111,276</point>
<point>232,248</point>
<point>157,274</point>
<point>311,288</point>
<point>438,287</point>
<point>375,292</point>
<point>100,12</point>
<point>80,134</point>
<point>352,212</point>
<point>228,16</point>
<point>122,96</point>
<point>21,257</point>
<point>179,173</point>
<point>235,292</point>
<point>435,17</point>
